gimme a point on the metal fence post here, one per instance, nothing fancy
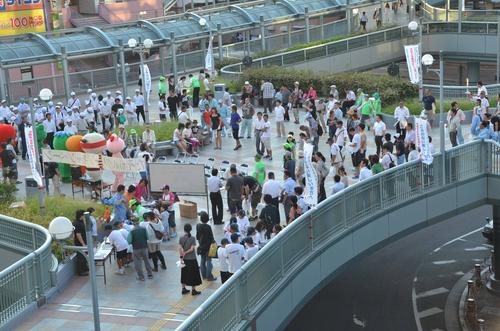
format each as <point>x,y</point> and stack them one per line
<point>67,85</point>
<point>122,67</point>
<point>174,60</point>
<point>289,29</point>
<point>348,15</point>
<point>460,4</point>
<point>322,26</point>
<point>262,33</point>
<point>308,34</point>
<point>219,41</point>
<point>115,65</point>
<point>498,49</point>
<point>3,83</point>
<point>249,34</point>
<point>162,60</point>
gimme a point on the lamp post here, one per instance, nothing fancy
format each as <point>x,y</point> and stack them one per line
<point>61,229</point>
<point>141,49</point>
<point>413,26</point>
<point>428,60</point>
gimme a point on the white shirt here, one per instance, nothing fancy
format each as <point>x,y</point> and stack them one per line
<point>401,114</point>
<point>130,109</point>
<point>138,100</point>
<point>272,187</point>
<point>379,128</point>
<point>116,238</point>
<point>364,173</point>
<point>50,126</point>
<point>58,117</point>
<point>335,151</point>
<point>70,129</point>
<point>280,113</point>
<point>410,137</point>
<point>149,137</point>
<point>183,117</point>
<point>250,252</point>
<point>259,124</point>
<point>340,136</point>
<point>243,225</point>
<point>235,255</point>
<point>337,187</point>
<point>387,159</point>
<point>485,104</point>
<point>206,84</point>
<point>356,143</point>
<point>267,130</point>
<point>108,103</point>
<point>221,254</point>
<point>413,155</point>
<point>161,107</point>
<point>214,184</point>
<point>350,95</point>
<point>482,89</point>
<point>74,103</point>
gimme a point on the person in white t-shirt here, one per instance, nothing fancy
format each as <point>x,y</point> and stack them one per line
<point>336,156</point>
<point>162,108</point>
<point>243,222</point>
<point>130,111</point>
<point>265,137</point>
<point>364,172</point>
<point>235,254</point>
<point>280,119</point>
<point>251,249</point>
<point>222,256</point>
<point>388,160</point>
<point>117,239</point>
<point>69,127</point>
<point>340,134</point>
<point>379,130</point>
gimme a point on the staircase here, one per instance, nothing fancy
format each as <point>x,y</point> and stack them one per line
<point>83,20</point>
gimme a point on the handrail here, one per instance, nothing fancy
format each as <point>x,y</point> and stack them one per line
<point>239,301</point>
<point>27,279</point>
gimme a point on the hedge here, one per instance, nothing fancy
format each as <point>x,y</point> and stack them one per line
<point>391,89</point>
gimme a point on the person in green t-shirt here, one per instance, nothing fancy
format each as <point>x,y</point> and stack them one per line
<point>376,104</point>
<point>366,110</point>
<point>162,87</point>
<point>260,169</point>
<point>195,85</point>
<point>376,166</point>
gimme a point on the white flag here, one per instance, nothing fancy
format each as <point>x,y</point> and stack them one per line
<point>30,146</point>
<point>147,81</point>
<point>311,190</point>
<point>209,58</point>
<point>413,61</point>
<point>422,137</point>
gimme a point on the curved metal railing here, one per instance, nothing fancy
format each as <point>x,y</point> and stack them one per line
<point>235,304</point>
<point>28,279</point>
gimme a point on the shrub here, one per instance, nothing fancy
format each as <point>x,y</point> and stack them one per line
<point>391,89</point>
<point>7,193</point>
<point>225,62</point>
<point>163,130</point>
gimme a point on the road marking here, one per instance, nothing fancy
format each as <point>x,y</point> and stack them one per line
<point>475,249</point>
<point>436,291</point>
<point>113,314</point>
<point>459,273</point>
<point>358,322</point>
<point>488,245</point>
<point>458,238</point>
<point>429,312</point>
<point>444,262</point>
<point>68,310</point>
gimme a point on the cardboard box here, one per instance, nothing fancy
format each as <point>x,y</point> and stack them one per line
<point>188,209</point>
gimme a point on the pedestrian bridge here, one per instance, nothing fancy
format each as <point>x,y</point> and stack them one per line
<point>308,254</point>
<point>475,40</point>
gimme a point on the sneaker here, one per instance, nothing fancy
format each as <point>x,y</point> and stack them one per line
<point>164,267</point>
<point>194,292</point>
<point>212,279</point>
<point>155,269</point>
<point>185,291</point>
<point>140,278</point>
<point>150,276</point>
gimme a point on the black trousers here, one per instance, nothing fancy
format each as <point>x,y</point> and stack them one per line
<point>140,111</point>
<point>50,139</point>
<point>155,256</point>
<point>379,142</point>
<point>217,207</point>
<point>196,96</point>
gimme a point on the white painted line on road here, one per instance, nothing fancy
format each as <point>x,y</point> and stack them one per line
<point>429,312</point>
<point>459,273</point>
<point>488,245</point>
<point>121,309</point>
<point>121,315</point>
<point>475,249</point>
<point>457,239</point>
<point>68,310</point>
<point>173,320</point>
<point>68,305</point>
<point>437,330</point>
<point>444,262</point>
<point>436,291</point>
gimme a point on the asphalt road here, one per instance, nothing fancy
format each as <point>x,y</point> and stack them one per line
<point>402,286</point>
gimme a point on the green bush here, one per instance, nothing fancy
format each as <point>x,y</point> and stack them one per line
<point>163,130</point>
<point>7,193</point>
<point>391,89</point>
<point>415,107</point>
<point>225,62</point>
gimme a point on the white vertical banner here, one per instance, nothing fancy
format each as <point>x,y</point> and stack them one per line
<point>209,58</point>
<point>413,61</point>
<point>422,137</point>
<point>147,81</point>
<point>30,146</point>
<point>311,190</point>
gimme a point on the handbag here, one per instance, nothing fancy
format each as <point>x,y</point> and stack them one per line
<point>158,234</point>
<point>212,251</point>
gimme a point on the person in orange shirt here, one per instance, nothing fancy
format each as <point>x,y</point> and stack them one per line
<point>130,193</point>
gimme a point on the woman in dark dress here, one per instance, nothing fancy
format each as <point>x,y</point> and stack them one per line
<point>190,272</point>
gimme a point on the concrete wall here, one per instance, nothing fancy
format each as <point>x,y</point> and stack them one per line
<point>318,271</point>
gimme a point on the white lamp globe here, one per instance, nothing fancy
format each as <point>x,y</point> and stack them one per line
<point>46,94</point>
<point>132,43</point>
<point>202,21</point>
<point>427,60</point>
<point>148,43</point>
<point>61,228</point>
<point>413,25</point>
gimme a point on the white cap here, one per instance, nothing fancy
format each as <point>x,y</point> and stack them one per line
<point>89,91</point>
<point>128,98</point>
<point>58,107</point>
<point>12,118</point>
<point>35,99</point>
<point>247,82</point>
<point>108,93</point>
<point>51,103</point>
<point>118,92</point>
<point>74,107</point>
<point>137,91</point>
<point>70,110</point>
<point>4,101</point>
<point>59,103</point>
<point>82,115</point>
<point>72,94</point>
<point>93,95</point>
<point>69,120</point>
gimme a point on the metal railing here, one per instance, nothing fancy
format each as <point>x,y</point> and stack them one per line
<point>234,305</point>
<point>28,279</point>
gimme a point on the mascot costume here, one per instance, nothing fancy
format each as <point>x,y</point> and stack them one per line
<point>115,145</point>
<point>73,145</point>
<point>7,131</point>
<point>93,143</point>
<point>60,139</point>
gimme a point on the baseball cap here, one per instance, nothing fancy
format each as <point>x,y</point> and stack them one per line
<point>72,94</point>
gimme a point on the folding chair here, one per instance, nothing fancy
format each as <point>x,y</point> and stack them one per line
<point>244,169</point>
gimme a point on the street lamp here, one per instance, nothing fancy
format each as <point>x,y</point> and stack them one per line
<point>413,26</point>
<point>428,60</point>
<point>61,229</point>
<point>141,49</point>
